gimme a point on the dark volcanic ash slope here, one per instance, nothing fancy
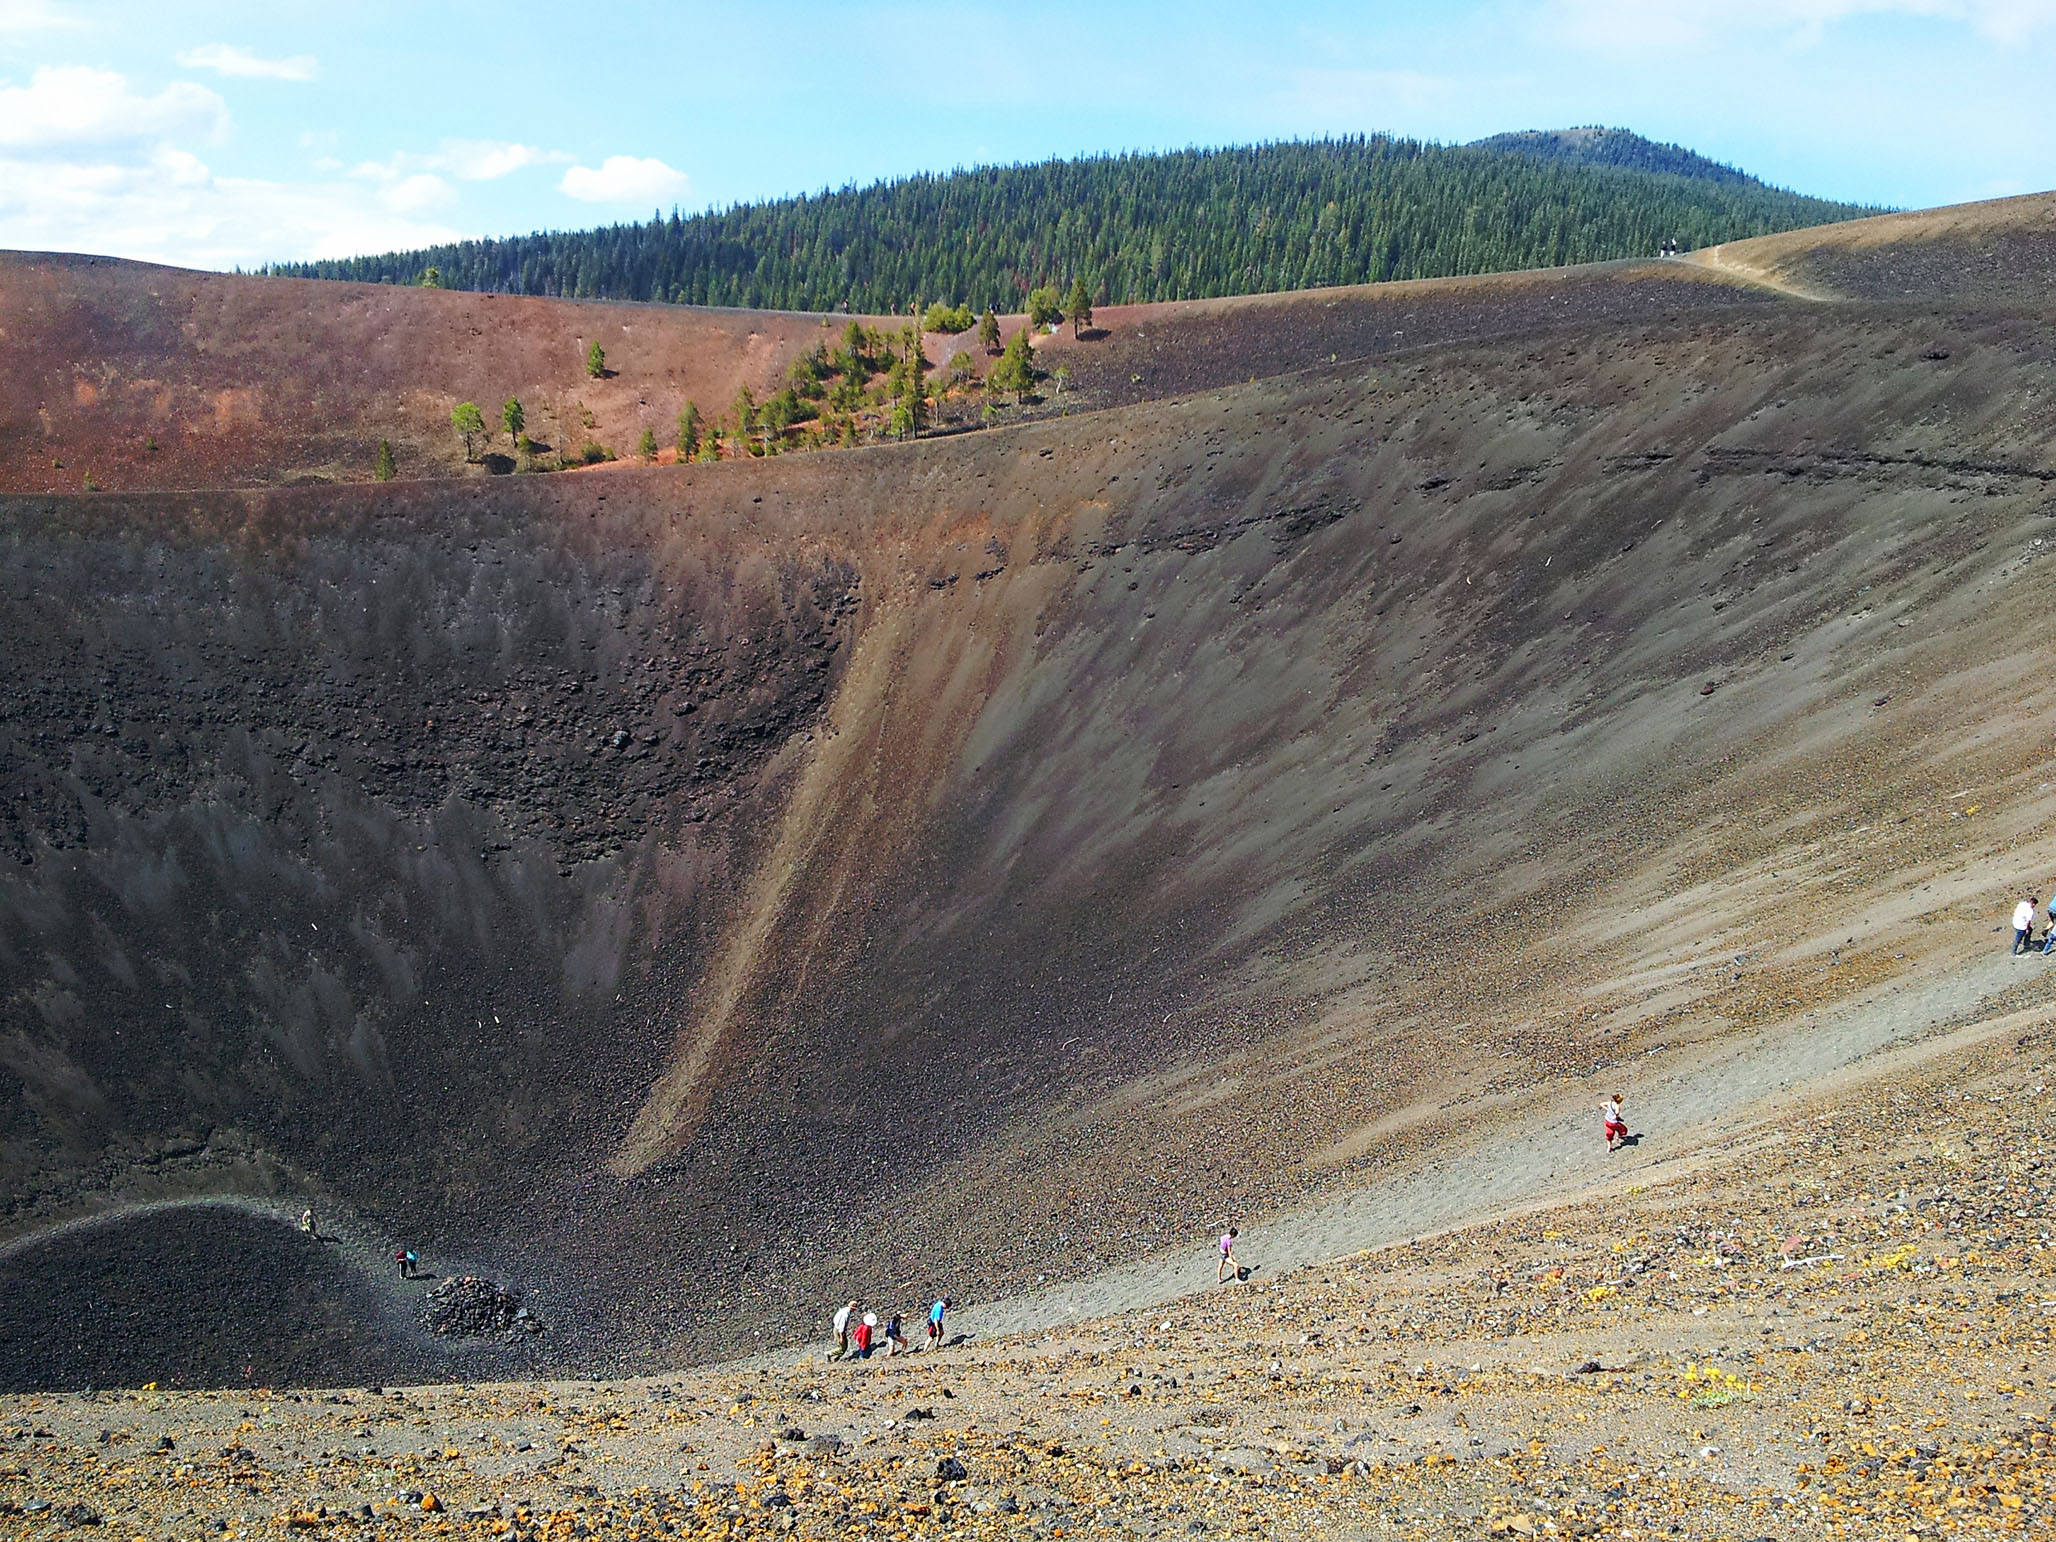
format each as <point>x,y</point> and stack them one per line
<point>1999,254</point>
<point>687,892</point>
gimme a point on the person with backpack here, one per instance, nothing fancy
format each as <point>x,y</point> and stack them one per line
<point>895,1337</point>
<point>861,1335</point>
<point>935,1321</point>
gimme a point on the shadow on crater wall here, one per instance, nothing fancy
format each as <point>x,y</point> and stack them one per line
<point>209,1295</point>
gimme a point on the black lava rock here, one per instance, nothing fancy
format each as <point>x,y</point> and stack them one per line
<point>472,1308</point>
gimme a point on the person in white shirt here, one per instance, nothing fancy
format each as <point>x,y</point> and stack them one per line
<point>2023,923</point>
<point>1616,1126</point>
<point>842,1331</point>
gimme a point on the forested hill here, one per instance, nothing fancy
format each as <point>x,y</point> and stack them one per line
<point>1182,225</point>
<point>1595,146</point>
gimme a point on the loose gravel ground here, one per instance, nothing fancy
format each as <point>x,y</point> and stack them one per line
<point>1842,1329</point>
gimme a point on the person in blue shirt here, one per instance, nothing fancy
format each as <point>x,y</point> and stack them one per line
<point>935,1321</point>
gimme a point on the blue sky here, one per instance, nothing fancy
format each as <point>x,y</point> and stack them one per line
<point>236,132</point>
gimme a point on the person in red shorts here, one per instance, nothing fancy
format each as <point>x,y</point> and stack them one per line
<point>1616,1126</point>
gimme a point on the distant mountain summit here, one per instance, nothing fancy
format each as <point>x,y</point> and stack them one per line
<point>1596,146</point>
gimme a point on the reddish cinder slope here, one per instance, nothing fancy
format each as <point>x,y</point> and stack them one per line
<point>148,377</point>
<point>239,381</point>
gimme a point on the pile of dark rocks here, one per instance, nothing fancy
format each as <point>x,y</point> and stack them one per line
<point>471,1308</point>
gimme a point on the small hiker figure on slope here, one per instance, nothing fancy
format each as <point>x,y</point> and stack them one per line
<point>1616,1126</point>
<point>2023,923</point>
<point>1228,1265</point>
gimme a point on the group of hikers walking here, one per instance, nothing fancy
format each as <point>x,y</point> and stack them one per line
<point>860,1337</point>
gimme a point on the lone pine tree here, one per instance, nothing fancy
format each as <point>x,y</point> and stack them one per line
<point>470,422</point>
<point>1078,308</point>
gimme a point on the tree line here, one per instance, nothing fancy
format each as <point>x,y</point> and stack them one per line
<point>1179,225</point>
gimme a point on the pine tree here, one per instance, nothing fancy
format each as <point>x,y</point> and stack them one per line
<point>514,419</point>
<point>1044,308</point>
<point>745,413</point>
<point>688,432</point>
<point>1015,370</point>
<point>468,421</point>
<point>386,467</point>
<point>1078,308</point>
<point>596,361</point>
<point>988,331</point>
<point>646,447</point>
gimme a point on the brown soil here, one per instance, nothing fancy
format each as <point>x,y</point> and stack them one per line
<point>145,377</point>
<point>152,377</point>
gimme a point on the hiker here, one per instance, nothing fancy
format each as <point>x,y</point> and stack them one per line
<point>1616,1126</point>
<point>861,1336</point>
<point>2023,923</point>
<point>307,1222</point>
<point>1228,1264</point>
<point>842,1331</point>
<point>2049,937</point>
<point>895,1337</point>
<point>935,1321</point>
<point>405,1260</point>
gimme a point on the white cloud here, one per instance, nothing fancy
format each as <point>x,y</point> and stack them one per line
<point>68,108</point>
<point>1635,24</point>
<point>423,190</point>
<point>169,207</point>
<point>89,164</point>
<point>483,160</point>
<point>468,160</point>
<point>227,59</point>
<point>624,179</point>
<point>31,16</point>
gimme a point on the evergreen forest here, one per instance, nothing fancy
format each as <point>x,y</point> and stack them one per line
<point>1141,227</point>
